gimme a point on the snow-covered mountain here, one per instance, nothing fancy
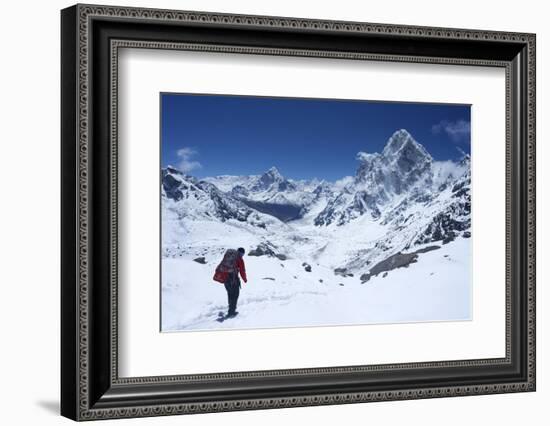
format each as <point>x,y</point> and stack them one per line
<point>191,206</point>
<point>404,166</point>
<point>200,199</point>
<point>402,189</point>
<point>270,193</point>
<point>399,205</point>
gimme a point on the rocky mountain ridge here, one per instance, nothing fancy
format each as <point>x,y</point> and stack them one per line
<point>398,200</point>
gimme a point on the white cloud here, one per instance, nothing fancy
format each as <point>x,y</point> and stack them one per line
<point>443,170</point>
<point>365,156</point>
<point>186,163</point>
<point>458,131</point>
<point>342,183</point>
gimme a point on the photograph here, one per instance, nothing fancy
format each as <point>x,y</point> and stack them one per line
<point>299,212</point>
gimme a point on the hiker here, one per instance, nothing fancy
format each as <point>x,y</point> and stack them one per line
<point>227,273</point>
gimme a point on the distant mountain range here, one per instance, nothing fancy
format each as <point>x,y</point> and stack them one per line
<point>397,199</point>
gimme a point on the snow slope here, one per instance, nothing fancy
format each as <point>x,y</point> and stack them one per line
<point>436,288</point>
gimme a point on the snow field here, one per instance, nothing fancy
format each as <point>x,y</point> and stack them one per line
<point>436,288</point>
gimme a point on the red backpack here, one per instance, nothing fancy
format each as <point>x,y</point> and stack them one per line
<point>227,266</point>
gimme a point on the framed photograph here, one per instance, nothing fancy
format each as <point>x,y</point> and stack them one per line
<point>263,212</point>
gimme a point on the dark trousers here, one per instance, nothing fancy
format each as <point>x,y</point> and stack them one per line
<point>232,285</point>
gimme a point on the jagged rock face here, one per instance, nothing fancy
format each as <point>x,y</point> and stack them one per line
<point>323,189</point>
<point>402,165</point>
<point>454,218</point>
<point>226,207</point>
<point>267,249</point>
<point>239,191</point>
<point>348,206</point>
<point>336,210</point>
<point>202,198</point>
<point>272,180</point>
<point>172,187</point>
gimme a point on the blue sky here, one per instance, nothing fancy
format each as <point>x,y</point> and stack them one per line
<point>209,135</point>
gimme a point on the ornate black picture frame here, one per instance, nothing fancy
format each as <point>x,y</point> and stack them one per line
<point>90,385</point>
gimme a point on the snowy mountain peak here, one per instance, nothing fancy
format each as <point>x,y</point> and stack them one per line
<point>273,181</point>
<point>402,143</point>
<point>271,176</point>
<point>172,170</point>
<point>274,171</point>
<point>404,166</point>
<point>465,161</point>
<point>188,198</point>
<point>396,141</point>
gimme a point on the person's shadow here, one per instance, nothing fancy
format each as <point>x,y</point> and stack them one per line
<point>51,406</point>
